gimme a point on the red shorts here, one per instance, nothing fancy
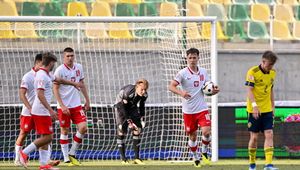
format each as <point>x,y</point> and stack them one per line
<point>43,124</point>
<point>26,123</point>
<point>77,116</point>
<point>192,121</point>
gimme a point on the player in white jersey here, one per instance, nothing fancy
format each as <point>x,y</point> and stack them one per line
<point>69,105</point>
<point>27,96</point>
<point>42,112</point>
<point>194,107</point>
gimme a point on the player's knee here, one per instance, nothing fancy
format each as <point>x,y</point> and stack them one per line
<point>64,131</point>
<point>268,134</point>
<point>82,130</point>
<point>136,132</point>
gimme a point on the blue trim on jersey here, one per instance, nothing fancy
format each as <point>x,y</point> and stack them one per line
<point>249,84</point>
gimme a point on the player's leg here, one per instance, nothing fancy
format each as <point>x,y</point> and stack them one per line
<point>26,125</point>
<point>43,126</point>
<point>191,126</point>
<point>78,117</point>
<point>52,162</point>
<point>267,120</point>
<point>64,122</point>
<point>205,142</point>
<point>205,123</point>
<point>136,137</point>
<point>44,158</point>
<point>254,128</point>
<point>122,127</point>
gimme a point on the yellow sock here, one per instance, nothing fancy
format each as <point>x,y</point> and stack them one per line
<point>252,155</point>
<point>269,155</point>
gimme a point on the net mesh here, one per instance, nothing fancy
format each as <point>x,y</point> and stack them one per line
<point>112,55</point>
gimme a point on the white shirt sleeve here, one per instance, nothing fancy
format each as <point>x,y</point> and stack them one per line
<point>178,77</point>
<point>40,82</point>
<point>81,72</point>
<point>24,82</point>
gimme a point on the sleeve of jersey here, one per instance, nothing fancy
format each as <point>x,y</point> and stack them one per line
<point>207,77</point>
<point>178,77</point>
<point>24,83</point>
<point>250,79</point>
<point>81,73</point>
<point>57,74</point>
<point>120,105</point>
<point>142,106</point>
<point>40,82</point>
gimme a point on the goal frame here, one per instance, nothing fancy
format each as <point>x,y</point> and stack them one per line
<point>213,48</point>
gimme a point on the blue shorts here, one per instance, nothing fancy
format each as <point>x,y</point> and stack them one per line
<point>264,122</point>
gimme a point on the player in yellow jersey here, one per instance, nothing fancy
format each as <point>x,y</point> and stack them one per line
<point>260,107</point>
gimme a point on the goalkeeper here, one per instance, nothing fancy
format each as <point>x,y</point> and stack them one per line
<point>129,115</point>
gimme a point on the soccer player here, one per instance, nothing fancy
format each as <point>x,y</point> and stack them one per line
<point>128,115</point>
<point>27,96</point>
<point>260,107</point>
<point>69,105</point>
<point>42,112</point>
<point>195,110</point>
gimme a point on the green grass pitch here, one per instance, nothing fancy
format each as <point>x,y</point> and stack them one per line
<point>233,164</point>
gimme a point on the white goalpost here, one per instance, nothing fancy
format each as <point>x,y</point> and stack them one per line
<point>114,51</point>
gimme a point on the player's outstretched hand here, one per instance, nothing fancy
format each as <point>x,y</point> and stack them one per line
<point>216,89</point>
<point>53,114</point>
<point>131,125</point>
<point>78,85</point>
<point>87,106</point>
<point>185,95</point>
<point>65,110</point>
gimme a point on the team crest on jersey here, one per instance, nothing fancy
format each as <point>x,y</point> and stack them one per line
<point>41,83</point>
<point>50,128</point>
<point>196,83</point>
<point>188,129</point>
<point>249,124</point>
<point>63,122</point>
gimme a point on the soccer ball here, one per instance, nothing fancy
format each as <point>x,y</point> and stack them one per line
<point>207,88</point>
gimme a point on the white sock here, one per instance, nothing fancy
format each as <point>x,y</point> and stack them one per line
<point>44,158</point>
<point>65,147</point>
<point>204,147</point>
<point>49,151</point>
<point>194,144</point>
<point>75,144</point>
<point>17,152</point>
<point>30,148</point>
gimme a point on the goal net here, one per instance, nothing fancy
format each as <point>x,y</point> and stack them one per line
<point>114,52</point>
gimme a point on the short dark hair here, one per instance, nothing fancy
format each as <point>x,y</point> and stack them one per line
<point>192,51</point>
<point>68,49</point>
<point>48,58</point>
<point>38,57</point>
<point>270,56</point>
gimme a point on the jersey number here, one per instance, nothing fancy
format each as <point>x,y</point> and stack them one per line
<point>207,117</point>
<point>82,113</point>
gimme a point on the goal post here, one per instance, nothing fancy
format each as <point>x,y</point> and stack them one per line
<point>114,51</point>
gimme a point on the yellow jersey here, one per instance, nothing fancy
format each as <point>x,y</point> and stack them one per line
<point>262,84</point>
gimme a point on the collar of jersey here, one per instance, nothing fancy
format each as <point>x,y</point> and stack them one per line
<point>191,71</point>
<point>69,67</point>
<point>263,70</point>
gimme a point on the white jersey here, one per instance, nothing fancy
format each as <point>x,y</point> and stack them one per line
<point>42,81</point>
<point>69,94</point>
<point>192,83</point>
<point>28,84</point>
